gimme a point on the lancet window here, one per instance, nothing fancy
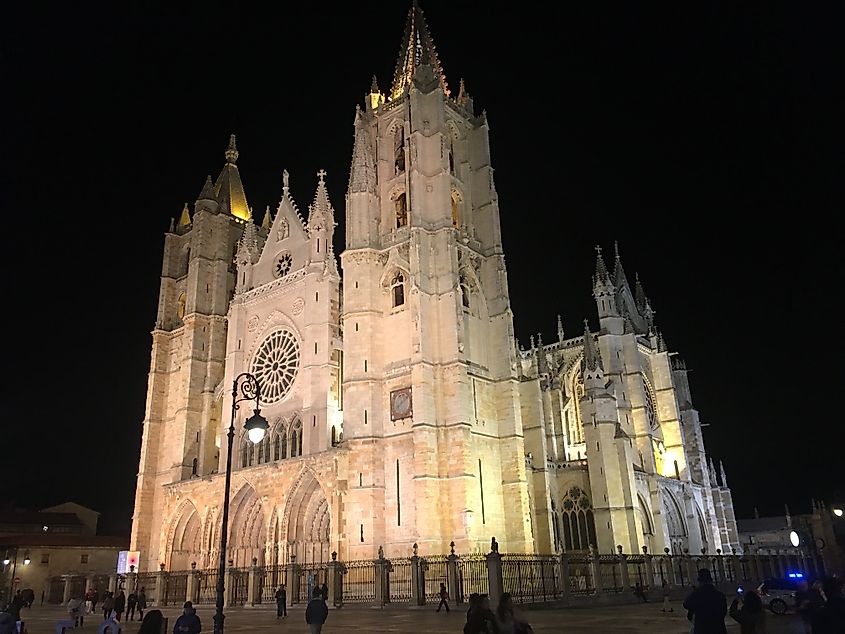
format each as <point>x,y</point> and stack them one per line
<point>579,528</point>
<point>397,290</point>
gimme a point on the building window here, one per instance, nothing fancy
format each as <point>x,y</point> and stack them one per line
<point>456,213</point>
<point>579,528</point>
<point>399,150</point>
<point>401,206</point>
<point>296,439</point>
<point>194,467</point>
<point>83,559</point>
<point>464,292</point>
<point>397,289</point>
<point>45,558</point>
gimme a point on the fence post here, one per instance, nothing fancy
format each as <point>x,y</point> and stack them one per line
<point>649,567</point>
<point>252,589</point>
<point>335,582</point>
<point>596,568</point>
<point>381,577</point>
<point>293,579</point>
<point>454,588</point>
<point>417,579</point>
<point>623,569</point>
<point>692,571</point>
<point>564,576</point>
<point>191,585</point>
<point>161,587</point>
<point>228,579</point>
<point>494,574</point>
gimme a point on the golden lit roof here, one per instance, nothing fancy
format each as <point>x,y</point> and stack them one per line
<point>417,49</point>
<point>229,189</point>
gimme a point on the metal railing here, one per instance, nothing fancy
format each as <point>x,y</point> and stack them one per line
<point>531,578</point>
<point>472,576</point>
<point>400,576</point>
<point>271,578</point>
<point>359,581</point>
<point>207,586</point>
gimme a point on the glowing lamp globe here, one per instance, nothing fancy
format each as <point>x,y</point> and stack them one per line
<point>6,561</point>
<point>794,539</point>
<point>26,560</point>
<point>256,427</point>
<point>838,512</point>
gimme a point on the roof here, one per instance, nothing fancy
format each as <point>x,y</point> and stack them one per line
<point>760,524</point>
<point>38,517</point>
<point>417,49</point>
<point>49,539</point>
<point>229,189</point>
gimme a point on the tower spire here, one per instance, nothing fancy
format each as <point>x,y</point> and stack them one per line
<point>229,190</point>
<point>232,151</point>
<point>618,272</point>
<point>592,358</point>
<point>559,329</point>
<point>417,49</point>
<point>185,218</point>
<point>601,269</point>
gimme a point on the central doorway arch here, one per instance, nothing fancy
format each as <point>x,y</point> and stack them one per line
<point>307,521</point>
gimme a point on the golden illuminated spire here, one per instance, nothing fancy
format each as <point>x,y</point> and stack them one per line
<point>185,218</point>
<point>228,189</point>
<point>417,49</point>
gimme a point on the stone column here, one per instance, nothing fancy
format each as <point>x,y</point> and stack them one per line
<point>68,579</point>
<point>293,580</point>
<point>89,582</point>
<point>161,586</point>
<point>453,581</point>
<point>649,567</point>
<point>253,587</point>
<point>381,582</point>
<point>623,569</point>
<point>191,585</point>
<point>417,579</point>
<point>113,583</point>
<point>494,574</point>
<point>564,576</point>
<point>335,582</point>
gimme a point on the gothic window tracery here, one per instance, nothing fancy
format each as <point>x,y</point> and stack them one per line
<point>397,290</point>
<point>284,261</point>
<point>401,207</point>
<point>399,150</point>
<point>465,292</point>
<point>650,409</point>
<point>296,439</point>
<point>579,528</point>
<point>275,365</point>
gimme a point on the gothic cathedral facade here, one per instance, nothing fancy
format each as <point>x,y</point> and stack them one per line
<point>401,408</point>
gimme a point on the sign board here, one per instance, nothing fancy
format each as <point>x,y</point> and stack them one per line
<point>126,559</point>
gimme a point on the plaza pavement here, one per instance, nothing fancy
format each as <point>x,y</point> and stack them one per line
<point>627,619</point>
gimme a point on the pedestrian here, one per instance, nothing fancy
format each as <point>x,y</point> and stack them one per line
<point>706,607</point>
<point>119,605</point>
<point>108,605</point>
<point>89,603</point>
<point>74,610</point>
<point>142,602</point>
<point>95,599</point>
<point>324,591</point>
<point>152,623</point>
<point>480,618</point>
<point>667,607</point>
<point>281,602</point>
<point>807,601</point>
<point>131,603</point>
<point>508,619</point>
<point>639,592</point>
<point>317,612</point>
<point>188,622</point>
<point>750,614</point>
<point>830,618</point>
<point>444,598</point>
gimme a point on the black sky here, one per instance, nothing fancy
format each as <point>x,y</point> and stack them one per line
<point>707,138</point>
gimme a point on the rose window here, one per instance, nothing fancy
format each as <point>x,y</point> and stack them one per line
<point>275,365</point>
<point>651,414</point>
<point>283,265</point>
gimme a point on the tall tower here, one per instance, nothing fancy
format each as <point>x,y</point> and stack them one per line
<point>431,393</point>
<point>188,350</point>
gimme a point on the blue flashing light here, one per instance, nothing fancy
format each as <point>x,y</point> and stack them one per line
<point>796,575</point>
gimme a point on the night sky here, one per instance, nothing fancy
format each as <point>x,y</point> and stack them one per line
<point>706,138</point>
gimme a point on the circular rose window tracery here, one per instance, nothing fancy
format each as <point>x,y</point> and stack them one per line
<point>283,264</point>
<point>275,365</point>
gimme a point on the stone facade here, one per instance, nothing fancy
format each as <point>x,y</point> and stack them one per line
<point>402,409</point>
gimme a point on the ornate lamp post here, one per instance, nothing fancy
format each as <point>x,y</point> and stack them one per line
<point>245,388</point>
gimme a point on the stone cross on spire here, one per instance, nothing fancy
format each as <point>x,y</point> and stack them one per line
<point>321,175</point>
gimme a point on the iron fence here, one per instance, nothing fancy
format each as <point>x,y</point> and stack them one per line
<point>207,586</point>
<point>175,588</point>
<point>580,572</point>
<point>472,576</point>
<point>610,573</point>
<point>359,581</point>
<point>400,580</point>
<point>435,574</point>
<point>271,578</point>
<point>531,578</point>
<point>311,576</point>
<point>239,592</point>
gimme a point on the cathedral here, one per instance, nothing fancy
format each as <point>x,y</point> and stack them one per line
<point>402,410</point>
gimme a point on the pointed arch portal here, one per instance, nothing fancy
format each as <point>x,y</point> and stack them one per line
<point>307,521</point>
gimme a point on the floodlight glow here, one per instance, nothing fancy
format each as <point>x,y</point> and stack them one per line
<point>794,539</point>
<point>838,512</point>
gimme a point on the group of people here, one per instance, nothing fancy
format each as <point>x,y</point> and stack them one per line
<point>822,608</point>
<point>504,620</point>
<point>112,606</point>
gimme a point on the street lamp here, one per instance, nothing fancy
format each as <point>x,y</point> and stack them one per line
<point>838,512</point>
<point>244,388</point>
<point>26,559</point>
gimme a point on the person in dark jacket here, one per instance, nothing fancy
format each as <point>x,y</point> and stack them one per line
<point>142,602</point>
<point>324,591</point>
<point>281,602</point>
<point>119,605</point>
<point>108,604</point>
<point>317,612</point>
<point>706,607</point>
<point>188,622</point>
<point>830,618</point>
<point>131,603</point>
<point>808,599</point>
<point>480,618</point>
<point>152,623</point>
<point>750,615</point>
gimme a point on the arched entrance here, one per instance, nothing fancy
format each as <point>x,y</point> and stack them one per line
<point>306,524</point>
<point>675,526</point>
<point>247,529</point>
<point>185,538</point>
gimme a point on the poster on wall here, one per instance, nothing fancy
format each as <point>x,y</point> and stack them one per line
<point>127,561</point>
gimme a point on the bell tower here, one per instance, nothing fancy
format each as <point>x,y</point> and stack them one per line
<point>431,391</point>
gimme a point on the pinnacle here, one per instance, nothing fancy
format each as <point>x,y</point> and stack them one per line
<point>417,49</point>
<point>232,151</point>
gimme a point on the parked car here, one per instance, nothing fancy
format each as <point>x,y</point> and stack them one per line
<point>779,594</point>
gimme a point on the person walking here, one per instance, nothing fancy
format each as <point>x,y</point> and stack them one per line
<point>324,591</point>
<point>807,601</point>
<point>749,613</point>
<point>667,607</point>
<point>188,622</point>
<point>119,605</point>
<point>830,618</point>
<point>508,619</point>
<point>444,598</point>
<point>706,607</point>
<point>89,603</point>
<point>95,599</point>
<point>281,602</point>
<point>152,623</point>
<point>142,602</point>
<point>108,605</point>
<point>131,603</point>
<point>317,612</point>
<point>74,610</point>
<point>480,618</point>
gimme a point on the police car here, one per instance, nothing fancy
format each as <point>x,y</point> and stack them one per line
<point>778,594</point>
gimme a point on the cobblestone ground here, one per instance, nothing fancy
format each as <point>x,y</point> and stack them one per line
<point>633,619</point>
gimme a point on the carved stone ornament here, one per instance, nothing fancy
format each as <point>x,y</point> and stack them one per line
<point>252,324</point>
<point>298,306</point>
